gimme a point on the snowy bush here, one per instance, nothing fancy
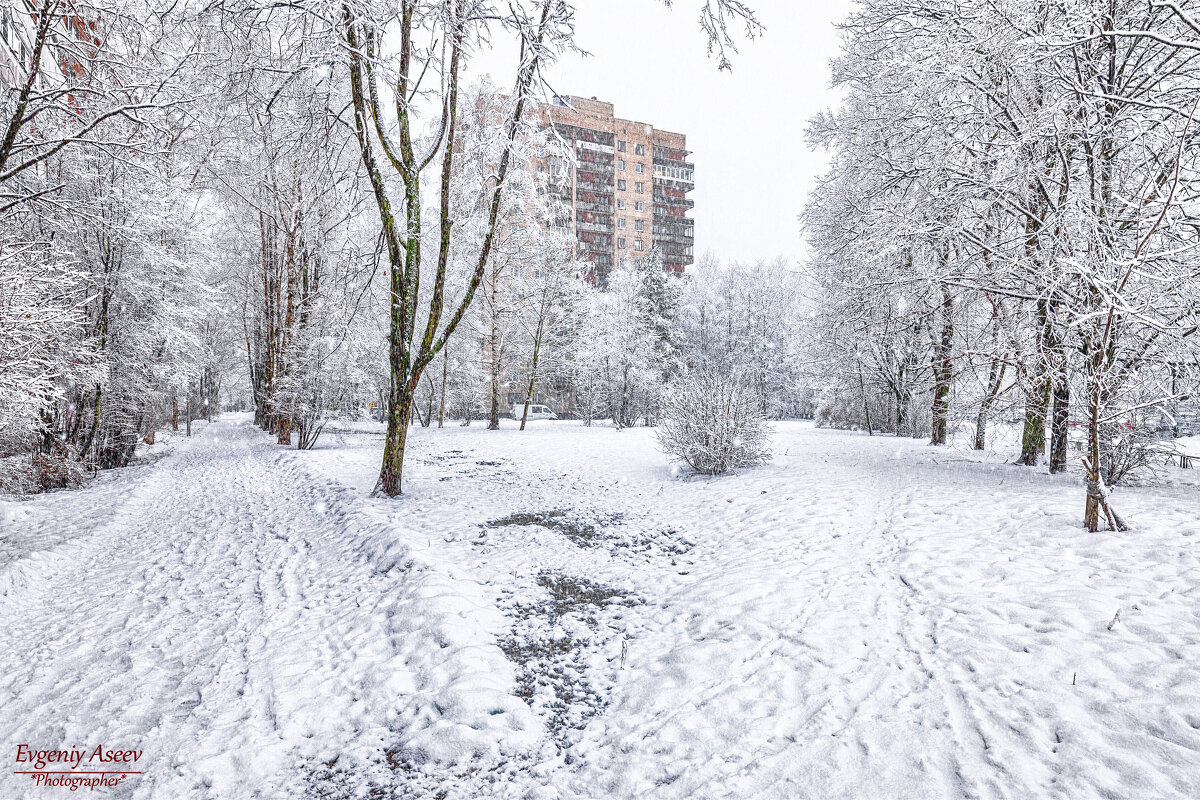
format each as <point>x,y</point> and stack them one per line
<point>712,422</point>
<point>1130,450</point>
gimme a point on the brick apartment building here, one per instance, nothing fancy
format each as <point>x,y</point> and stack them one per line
<point>627,188</point>
<point>70,36</point>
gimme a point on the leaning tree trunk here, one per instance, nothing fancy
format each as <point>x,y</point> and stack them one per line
<point>537,347</point>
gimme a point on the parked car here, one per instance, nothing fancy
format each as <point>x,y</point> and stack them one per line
<point>535,412</point>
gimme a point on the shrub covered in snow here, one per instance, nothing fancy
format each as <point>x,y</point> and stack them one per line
<point>712,422</point>
<point>1130,449</point>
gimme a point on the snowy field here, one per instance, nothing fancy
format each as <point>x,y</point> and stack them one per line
<point>558,614</point>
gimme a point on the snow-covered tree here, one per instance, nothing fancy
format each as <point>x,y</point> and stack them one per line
<point>1010,186</point>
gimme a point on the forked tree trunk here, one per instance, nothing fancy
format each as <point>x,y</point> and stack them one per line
<point>408,353</point>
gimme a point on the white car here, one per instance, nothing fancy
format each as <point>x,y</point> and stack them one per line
<point>535,412</point>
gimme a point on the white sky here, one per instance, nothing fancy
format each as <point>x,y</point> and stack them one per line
<point>745,127</point>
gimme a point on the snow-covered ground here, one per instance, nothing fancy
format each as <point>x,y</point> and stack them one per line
<point>556,613</point>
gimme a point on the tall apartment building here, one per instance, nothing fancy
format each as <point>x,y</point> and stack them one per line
<point>628,187</point>
<point>16,34</point>
<point>69,35</point>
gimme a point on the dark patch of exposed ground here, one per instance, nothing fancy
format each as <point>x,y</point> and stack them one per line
<point>553,640</point>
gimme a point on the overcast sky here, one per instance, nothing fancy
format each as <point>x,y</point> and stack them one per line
<point>745,127</point>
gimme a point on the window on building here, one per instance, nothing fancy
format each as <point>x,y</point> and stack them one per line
<point>621,243</point>
<point>620,205</point>
<point>620,163</point>
<point>621,222</point>
<point>639,150</point>
<point>639,168</point>
<point>637,244</point>
<point>620,146</point>
<point>638,205</point>
<point>621,184</point>
<point>639,225</point>
<point>637,187</point>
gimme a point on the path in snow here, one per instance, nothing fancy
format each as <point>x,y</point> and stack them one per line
<point>223,614</point>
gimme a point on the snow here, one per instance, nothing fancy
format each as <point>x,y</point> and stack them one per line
<point>559,613</point>
<point>1189,445</point>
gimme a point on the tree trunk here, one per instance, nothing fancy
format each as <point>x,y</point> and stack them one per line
<point>862,392</point>
<point>1097,506</point>
<point>494,412</point>
<point>995,379</point>
<point>445,372</point>
<point>494,342</point>
<point>1060,422</point>
<point>537,347</point>
<point>991,392</point>
<point>943,371</point>
<point>174,413</point>
<point>1033,437</point>
<point>941,407</point>
<point>981,422</point>
<point>392,472</point>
